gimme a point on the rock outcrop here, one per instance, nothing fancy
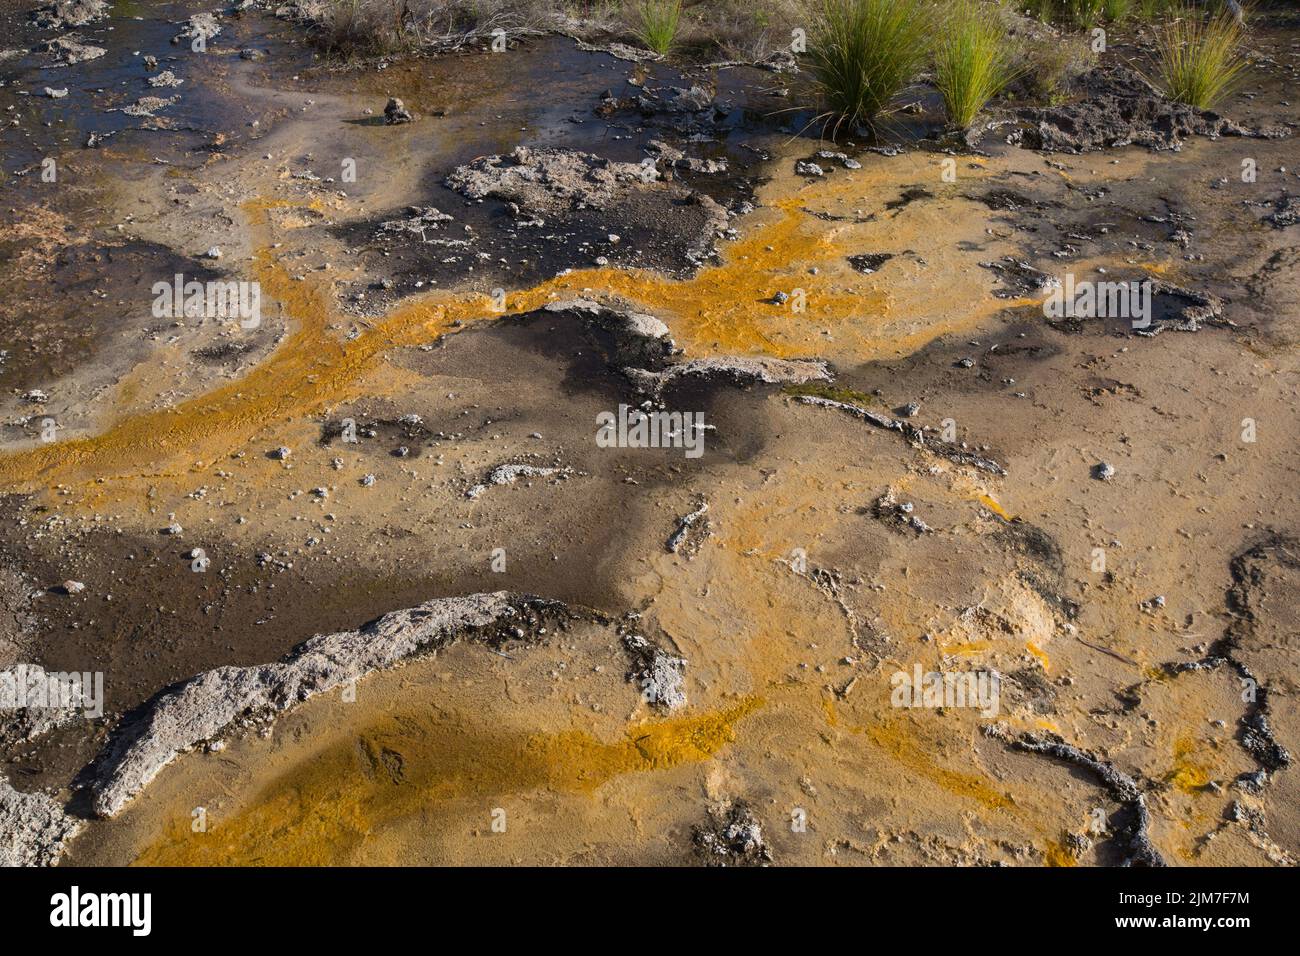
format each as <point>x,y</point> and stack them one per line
<point>215,703</point>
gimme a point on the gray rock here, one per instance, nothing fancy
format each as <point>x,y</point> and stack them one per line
<point>660,675</point>
<point>509,473</point>
<point>1020,278</point>
<point>621,51</point>
<point>165,78</point>
<point>69,50</point>
<point>733,837</point>
<point>146,106</point>
<point>395,112</point>
<point>1135,836</point>
<point>201,25</point>
<point>691,531</point>
<point>1116,106</point>
<point>900,514</point>
<point>1286,213</point>
<point>740,370</point>
<point>421,221</point>
<point>33,828</point>
<point>550,181</point>
<point>676,158</point>
<point>635,338</point>
<point>691,100</point>
<point>62,14</point>
<point>1252,782</point>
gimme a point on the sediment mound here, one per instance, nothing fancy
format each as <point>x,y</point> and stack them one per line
<point>1116,106</point>
<point>70,50</point>
<point>70,13</point>
<point>551,181</point>
<point>216,702</point>
<point>634,338</point>
<point>739,370</point>
<point>733,836</point>
<point>630,199</point>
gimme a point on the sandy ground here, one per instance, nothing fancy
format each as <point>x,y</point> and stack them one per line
<point>798,600</point>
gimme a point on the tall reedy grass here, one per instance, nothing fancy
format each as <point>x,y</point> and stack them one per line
<point>973,60</point>
<point>657,24</point>
<point>864,52</point>
<point>1199,57</point>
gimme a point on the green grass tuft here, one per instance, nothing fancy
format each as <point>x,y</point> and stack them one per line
<point>864,52</point>
<point>973,60</point>
<point>1148,10</point>
<point>1086,14</point>
<point>1198,59</point>
<point>1117,11</point>
<point>1043,10</point>
<point>658,24</point>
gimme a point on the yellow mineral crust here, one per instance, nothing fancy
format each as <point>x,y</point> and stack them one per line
<point>722,310</point>
<point>324,808</point>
